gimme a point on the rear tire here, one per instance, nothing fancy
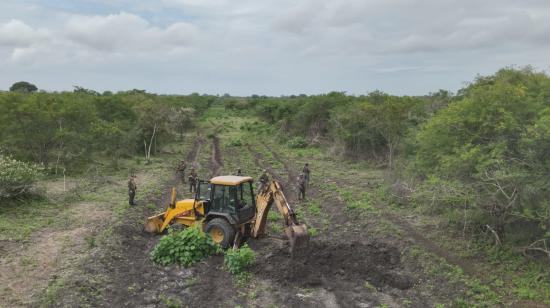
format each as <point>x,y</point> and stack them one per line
<point>221,231</point>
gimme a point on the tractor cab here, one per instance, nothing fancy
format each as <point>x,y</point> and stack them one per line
<point>229,197</point>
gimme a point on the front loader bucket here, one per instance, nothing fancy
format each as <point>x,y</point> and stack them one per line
<point>297,236</point>
<point>154,223</point>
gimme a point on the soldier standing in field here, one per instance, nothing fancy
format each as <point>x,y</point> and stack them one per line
<point>302,187</point>
<point>132,187</point>
<point>264,179</point>
<point>180,170</point>
<point>305,172</point>
<point>193,180</point>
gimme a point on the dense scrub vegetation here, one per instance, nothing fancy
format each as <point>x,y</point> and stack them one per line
<point>480,157</point>
<point>491,148</point>
<point>66,131</point>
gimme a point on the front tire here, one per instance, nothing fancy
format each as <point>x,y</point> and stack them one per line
<point>221,231</point>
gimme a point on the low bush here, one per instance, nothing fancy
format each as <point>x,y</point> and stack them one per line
<point>238,260</point>
<point>297,143</point>
<point>16,177</point>
<point>236,143</point>
<point>184,247</point>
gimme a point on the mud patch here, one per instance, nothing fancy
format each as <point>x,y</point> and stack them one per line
<point>193,154</point>
<point>343,269</point>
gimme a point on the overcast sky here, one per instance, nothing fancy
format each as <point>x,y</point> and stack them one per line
<point>270,47</point>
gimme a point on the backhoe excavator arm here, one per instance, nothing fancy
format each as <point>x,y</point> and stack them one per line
<point>296,232</point>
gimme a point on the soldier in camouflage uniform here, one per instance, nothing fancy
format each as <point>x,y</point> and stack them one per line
<point>305,171</point>
<point>180,170</point>
<point>264,180</point>
<point>302,187</point>
<point>193,177</point>
<point>132,187</point>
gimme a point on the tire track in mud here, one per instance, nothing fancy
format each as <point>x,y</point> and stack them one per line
<point>411,232</point>
<point>315,192</point>
<point>195,150</point>
<point>217,160</point>
<point>210,274</point>
<point>292,176</point>
<point>286,185</point>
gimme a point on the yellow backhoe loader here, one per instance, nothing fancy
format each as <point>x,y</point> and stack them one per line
<point>226,208</point>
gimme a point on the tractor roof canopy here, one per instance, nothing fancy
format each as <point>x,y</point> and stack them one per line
<point>230,180</point>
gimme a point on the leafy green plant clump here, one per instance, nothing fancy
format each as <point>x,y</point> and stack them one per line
<point>238,260</point>
<point>184,247</point>
<point>297,143</point>
<point>16,177</point>
<point>236,143</point>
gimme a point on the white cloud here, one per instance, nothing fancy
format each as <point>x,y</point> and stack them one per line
<point>16,33</point>
<point>275,46</point>
<point>125,32</point>
<point>87,37</point>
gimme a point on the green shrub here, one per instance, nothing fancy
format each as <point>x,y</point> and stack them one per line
<point>16,177</point>
<point>236,143</point>
<point>183,247</point>
<point>238,260</point>
<point>297,143</point>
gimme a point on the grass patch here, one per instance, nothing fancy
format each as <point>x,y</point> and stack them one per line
<point>273,216</point>
<point>242,280</point>
<point>314,208</point>
<point>52,292</point>
<point>18,219</point>
<point>171,302</point>
<point>276,227</point>
<point>312,231</point>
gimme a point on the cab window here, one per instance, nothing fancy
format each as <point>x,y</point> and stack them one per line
<point>204,191</point>
<point>219,198</point>
<point>232,199</point>
<point>245,195</point>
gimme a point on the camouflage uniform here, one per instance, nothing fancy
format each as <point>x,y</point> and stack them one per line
<point>264,179</point>
<point>132,190</point>
<point>305,172</point>
<point>302,186</point>
<point>193,181</point>
<point>180,170</point>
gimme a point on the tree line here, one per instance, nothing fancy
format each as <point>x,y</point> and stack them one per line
<point>69,130</point>
<point>480,156</point>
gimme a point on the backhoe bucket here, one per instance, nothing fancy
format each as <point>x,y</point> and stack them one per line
<point>297,236</point>
<point>154,223</point>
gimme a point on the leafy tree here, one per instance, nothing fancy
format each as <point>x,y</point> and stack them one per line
<point>23,86</point>
<point>78,89</point>
<point>495,139</point>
